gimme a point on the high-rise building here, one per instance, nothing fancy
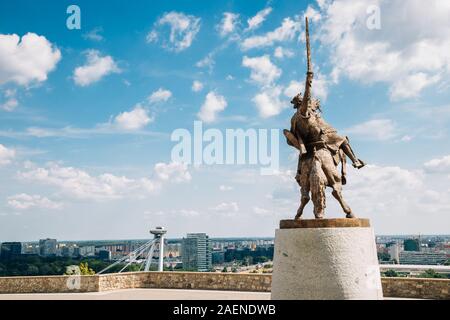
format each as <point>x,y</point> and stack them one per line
<point>104,254</point>
<point>47,247</point>
<point>411,245</point>
<point>422,258</point>
<point>10,249</point>
<point>196,252</point>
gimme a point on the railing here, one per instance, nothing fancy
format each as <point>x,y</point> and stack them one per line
<point>414,268</point>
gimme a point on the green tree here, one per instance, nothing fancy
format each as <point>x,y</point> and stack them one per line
<point>85,270</point>
<point>430,273</point>
<point>224,269</point>
<point>391,273</point>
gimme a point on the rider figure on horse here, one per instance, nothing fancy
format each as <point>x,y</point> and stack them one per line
<point>311,135</point>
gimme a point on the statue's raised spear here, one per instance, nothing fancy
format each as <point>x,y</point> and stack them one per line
<point>308,47</point>
<point>291,138</point>
<point>309,74</point>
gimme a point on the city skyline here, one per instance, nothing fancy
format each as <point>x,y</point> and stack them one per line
<point>85,148</point>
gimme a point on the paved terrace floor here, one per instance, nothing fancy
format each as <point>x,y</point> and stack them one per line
<point>143,294</point>
<point>146,294</point>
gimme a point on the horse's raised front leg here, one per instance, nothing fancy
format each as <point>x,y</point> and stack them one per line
<point>303,202</point>
<point>304,192</point>
<point>337,193</point>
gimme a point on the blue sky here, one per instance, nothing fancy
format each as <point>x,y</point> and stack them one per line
<point>86,115</point>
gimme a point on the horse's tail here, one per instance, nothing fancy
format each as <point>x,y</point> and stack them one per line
<point>318,181</point>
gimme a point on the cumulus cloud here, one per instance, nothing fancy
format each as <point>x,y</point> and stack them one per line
<point>6,155</point>
<point>406,52</point>
<point>160,95</point>
<point>285,32</point>
<point>183,29</point>
<point>439,165</point>
<point>133,120</point>
<point>197,86</point>
<point>393,195</point>
<point>78,183</point>
<point>27,60</point>
<point>263,71</point>
<point>96,68</point>
<point>174,172</point>
<point>376,129</point>
<point>412,85</point>
<point>256,21</point>
<point>139,117</point>
<point>268,102</point>
<point>281,52</point>
<point>214,103</point>
<point>228,23</point>
<point>25,201</point>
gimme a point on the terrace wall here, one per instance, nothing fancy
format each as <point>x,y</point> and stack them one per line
<point>392,287</point>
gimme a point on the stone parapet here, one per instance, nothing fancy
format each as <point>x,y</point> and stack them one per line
<point>417,288</point>
<point>392,287</point>
<point>49,284</point>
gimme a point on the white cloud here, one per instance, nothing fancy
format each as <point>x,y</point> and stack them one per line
<point>294,88</point>
<point>207,62</point>
<point>80,184</point>
<point>392,195</point>
<point>197,86</point>
<point>281,52</point>
<point>263,71</point>
<point>319,88</point>
<point>261,211</point>
<point>187,212</point>
<point>94,34</point>
<point>312,14</point>
<point>10,100</point>
<point>285,32</point>
<point>174,172</point>
<point>27,60</point>
<point>161,95</point>
<point>440,165</point>
<point>226,207</point>
<point>6,155</point>
<point>256,21</point>
<point>139,117</point>
<point>183,29</point>
<point>96,67</point>
<point>411,86</point>
<point>214,103</point>
<point>228,23</point>
<point>25,201</point>
<point>268,102</point>
<point>406,53</point>
<point>225,188</point>
<point>133,120</point>
<point>376,129</point>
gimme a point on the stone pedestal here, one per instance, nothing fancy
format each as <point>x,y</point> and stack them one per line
<point>326,259</point>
